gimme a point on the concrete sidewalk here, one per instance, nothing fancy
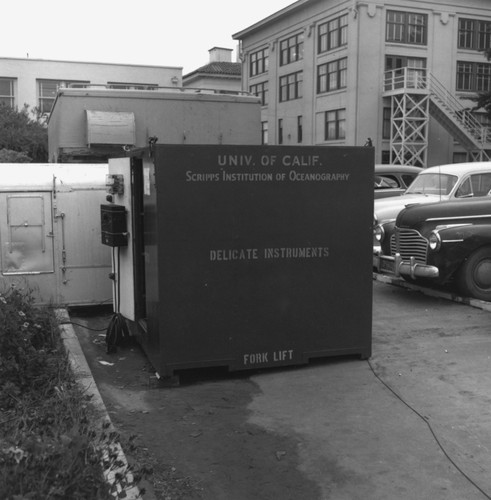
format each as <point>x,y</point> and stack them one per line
<point>411,423</point>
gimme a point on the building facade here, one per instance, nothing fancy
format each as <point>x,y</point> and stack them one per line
<point>35,82</point>
<point>397,74</point>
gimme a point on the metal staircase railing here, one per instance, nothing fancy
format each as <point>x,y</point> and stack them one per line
<point>451,112</point>
<point>456,109</point>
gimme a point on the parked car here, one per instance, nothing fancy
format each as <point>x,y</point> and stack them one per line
<point>456,181</point>
<point>439,183</point>
<point>441,243</point>
<point>393,180</point>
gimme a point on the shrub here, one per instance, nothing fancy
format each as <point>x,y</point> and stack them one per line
<point>48,447</point>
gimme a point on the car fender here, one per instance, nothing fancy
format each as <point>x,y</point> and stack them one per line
<point>458,242</point>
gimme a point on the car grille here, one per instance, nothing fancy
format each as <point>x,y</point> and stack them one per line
<point>409,243</point>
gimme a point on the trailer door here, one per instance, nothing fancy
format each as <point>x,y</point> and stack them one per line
<point>26,233</point>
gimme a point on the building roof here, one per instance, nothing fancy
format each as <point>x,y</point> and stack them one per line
<point>218,68</point>
<point>293,8</point>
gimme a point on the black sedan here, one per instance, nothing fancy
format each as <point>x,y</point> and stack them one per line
<point>441,243</point>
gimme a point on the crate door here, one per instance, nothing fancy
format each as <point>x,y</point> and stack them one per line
<point>26,233</point>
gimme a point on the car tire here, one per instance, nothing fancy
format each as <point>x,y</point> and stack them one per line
<point>474,277</point>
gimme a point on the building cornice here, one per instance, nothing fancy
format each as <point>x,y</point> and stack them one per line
<point>290,9</point>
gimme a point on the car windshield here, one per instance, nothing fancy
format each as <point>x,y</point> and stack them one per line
<point>432,183</point>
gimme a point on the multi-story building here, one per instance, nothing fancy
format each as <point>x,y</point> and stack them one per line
<point>35,81</point>
<point>398,74</point>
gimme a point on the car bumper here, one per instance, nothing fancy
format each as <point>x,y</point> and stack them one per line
<point>387,264</point>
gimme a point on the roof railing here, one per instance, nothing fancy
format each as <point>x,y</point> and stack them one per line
<point>155,88</point>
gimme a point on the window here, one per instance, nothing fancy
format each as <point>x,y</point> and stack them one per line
<point>460,157</point>
<point>335,124</point>
<point>291,49</point>
<point>397,62</point>
<point>475,185</point>
<point>483,77</point>
<point>406,27</point>
<point>132,86</point>
<point>258,63</point>
<point>264,133</point>
<point>474,34</point>
<point>299,129</point>
<point>386,157</point>
<point>464,76</point>
<point>332,34</point>
<point>291,86</point>
<point>473,77</point>
<point>387,123</point>
<point>332,75</point>
<point>384,181</point>
<point>7,92</point>
<point>47,90</point>
<point>261,90</point>
<point>280,131</point>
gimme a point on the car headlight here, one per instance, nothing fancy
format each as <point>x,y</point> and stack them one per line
<point>435,241</point>
<point>379,233</point>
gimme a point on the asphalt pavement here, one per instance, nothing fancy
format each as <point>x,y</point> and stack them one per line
<point>412,422</point>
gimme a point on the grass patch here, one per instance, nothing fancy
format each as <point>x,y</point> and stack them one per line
<point>49,448</point>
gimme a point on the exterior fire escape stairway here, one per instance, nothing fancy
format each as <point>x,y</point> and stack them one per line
<point>415,96</point>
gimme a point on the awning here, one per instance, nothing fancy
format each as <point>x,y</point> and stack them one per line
<point>110,127</point>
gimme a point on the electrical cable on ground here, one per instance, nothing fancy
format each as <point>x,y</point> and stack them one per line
<point>425,420</point>
<point>85,326</point>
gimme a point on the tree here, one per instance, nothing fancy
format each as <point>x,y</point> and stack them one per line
<point>22,137</point>
<point>483,99</point>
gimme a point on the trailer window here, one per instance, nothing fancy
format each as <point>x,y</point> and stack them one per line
<point>26,233</point>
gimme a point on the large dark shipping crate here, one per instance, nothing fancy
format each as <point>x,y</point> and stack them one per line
<point>255,256</point>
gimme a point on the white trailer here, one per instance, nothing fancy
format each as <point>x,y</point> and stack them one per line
<point>50,233</point>
<point>97,124</point>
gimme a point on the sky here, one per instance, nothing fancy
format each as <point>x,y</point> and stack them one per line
<point>149,32</point>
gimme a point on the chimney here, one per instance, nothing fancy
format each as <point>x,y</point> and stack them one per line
<point>220,54</point>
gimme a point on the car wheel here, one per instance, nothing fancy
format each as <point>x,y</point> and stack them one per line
<point>474,278</point>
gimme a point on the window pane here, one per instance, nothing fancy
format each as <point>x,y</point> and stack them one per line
<point>483,77</point>
<point>343,72</point>
<point>264,129</point>
<point>484,36</point>
<point>5,87</point>
<point>322,38</point>
<point>395,26</point>
<point>466,33</point>
<point>48,89</point>
<point>322,78</point>
<point>331,130</point>
<point>332,76</point>
<point>464,76</point>
<point>343,35</point>
<point>333,34</point>
<point>387,122</point>
<point>341,124</point>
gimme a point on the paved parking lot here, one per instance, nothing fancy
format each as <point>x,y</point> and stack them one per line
<point>411,423</point>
